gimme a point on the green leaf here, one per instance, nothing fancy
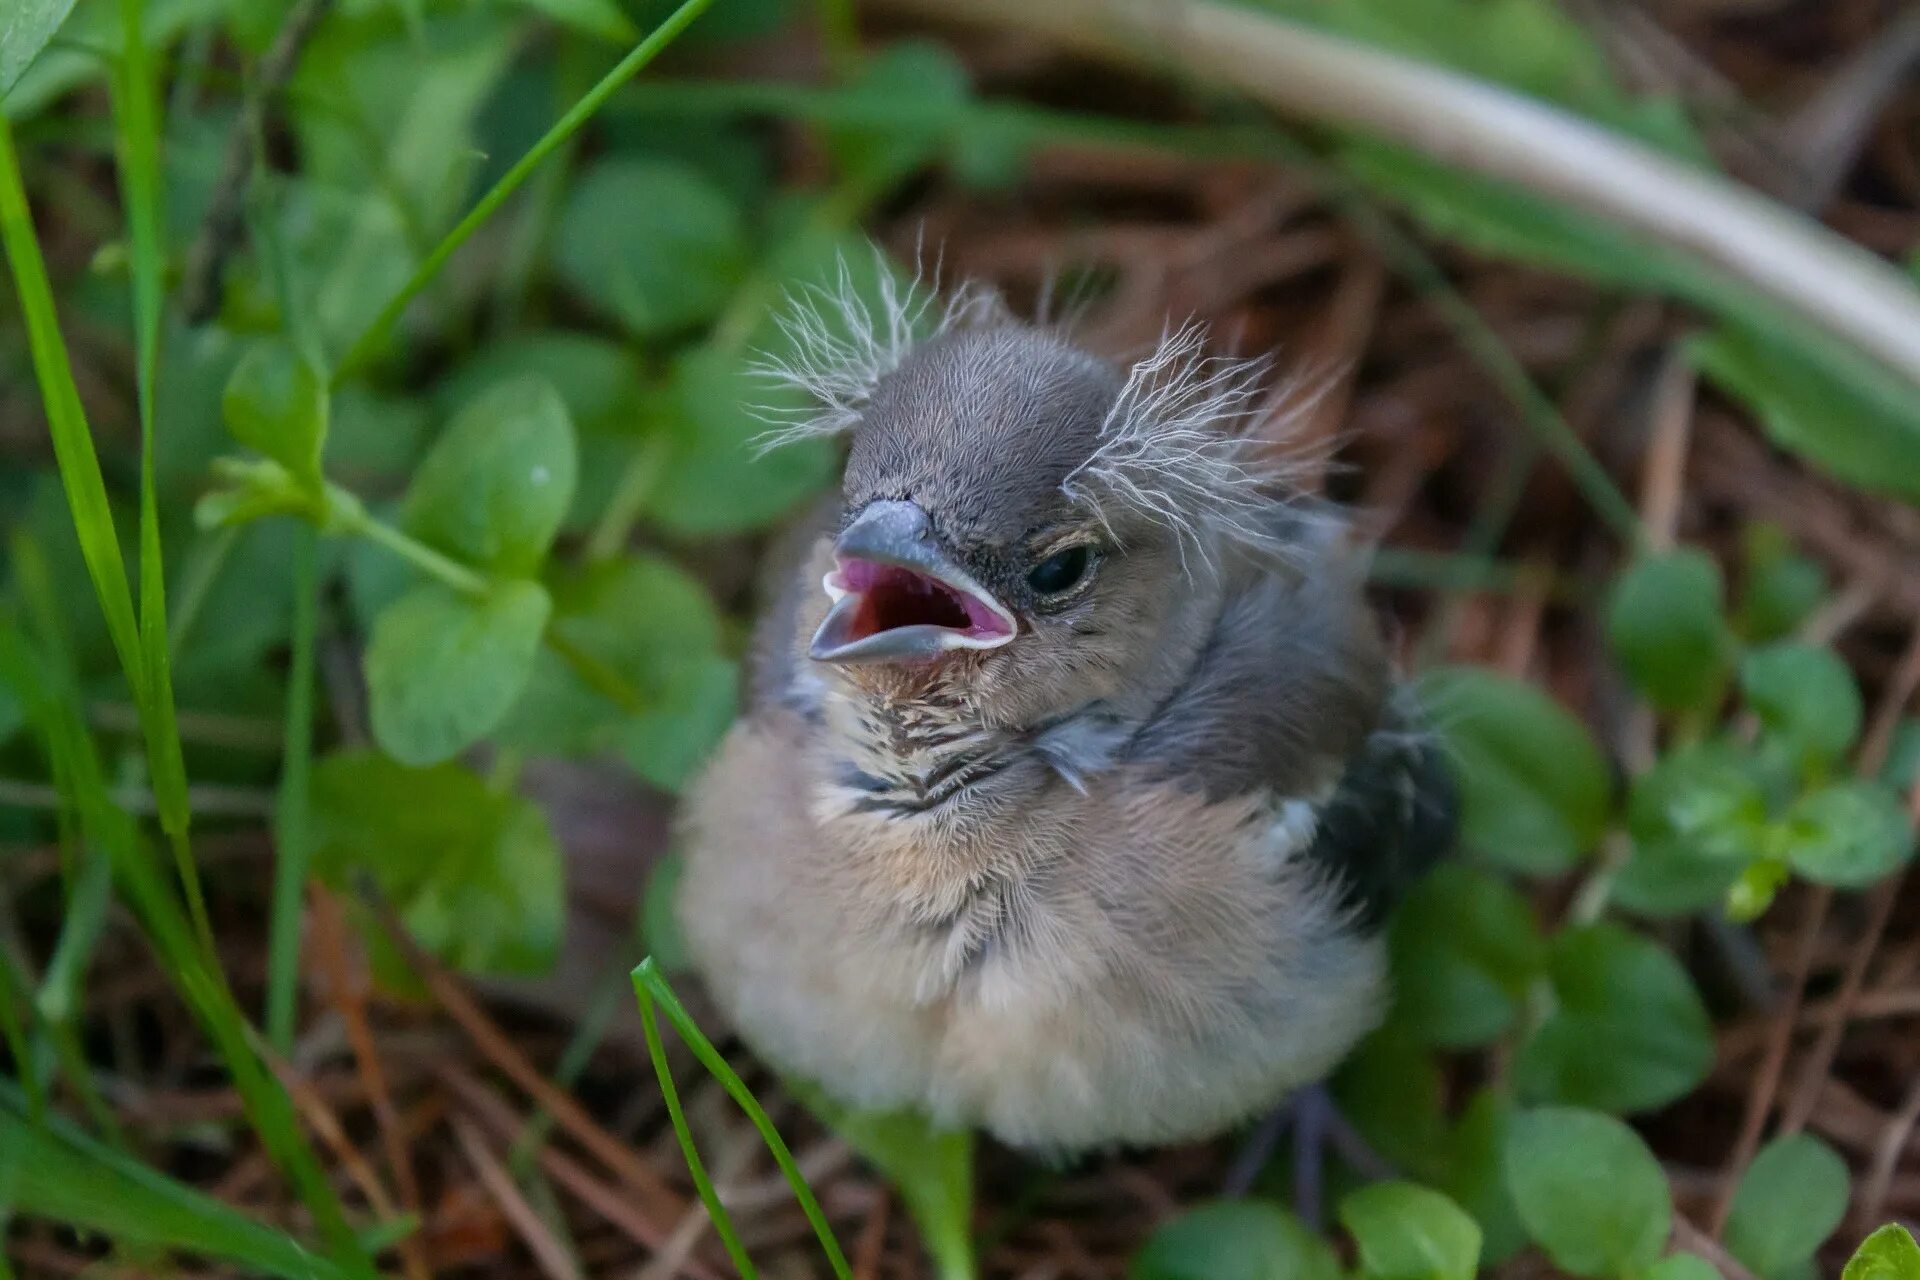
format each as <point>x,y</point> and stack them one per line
<point>1627,1031</point>
<point>656,627</point>
<point>920,88</point>
<point>474,873</point>
<point>1806,697</point>
<point>713,481</point>
<point>1817,397</point>
<point>1888,1254</point>
<point>597,378</point>
<point>1681,1266</point>
<point>1465,948</point>
<point>1705,797</point>
<point>276,402</point>
<point>27,27</point>
<point>49,1169</point>
<point>1850,835</point>
<point>1588,1191</point>
<point>651,243</point>
<point>1782,588</point>
<point>672,738</point>
<point>1789,1201</point>
<point>1235,1240</point>
<point>1902,768</point>
<point>1476,1178</point>
<point>1666,627</point>
<point>1391,1089</point>
<point>1663,879</point>
<point>443,669</point>
<point>1535,790</point>
<point>1409,1232</point>
<point>1697,818</point>
<point>496,484</point>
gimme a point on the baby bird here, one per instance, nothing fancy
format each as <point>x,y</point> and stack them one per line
<point>1073,784</point>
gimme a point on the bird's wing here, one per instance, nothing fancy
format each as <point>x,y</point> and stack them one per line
<point>1292,697</point>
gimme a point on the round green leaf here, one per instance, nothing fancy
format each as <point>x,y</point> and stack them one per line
<point>1703,798</point>
<point>652,243</point>
<point>715,481</point>
<point>1391,1090</point>
<point>1535,790</point>
<point>1588,1191</point>
<point>1474,1175</point>
<point>1682,1266</point>
<point>1782,588</point>
<point>1806,697</point>
<point>474,873</point>
<point>597,379</point>
<point>495,485</point>
<point>1235,1240</point>
<point>442,669</point>
<point>1409,1232</point>
<point>1902,768</point>
<point>1627,1031</point>
<point>1888,1254</point>
<point>656,627</point>
<point>276,402</point>
<point>1662,880</point>
<point>671,739</point>
<point>1789,1201</point>
<point>1667,628</point>
<point>1465,948</point>
<point>1850,834</point>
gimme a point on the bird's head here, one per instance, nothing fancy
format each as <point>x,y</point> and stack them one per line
<point>1024,524</point>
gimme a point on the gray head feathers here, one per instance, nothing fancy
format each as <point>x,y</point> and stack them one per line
<point>1191,442</point>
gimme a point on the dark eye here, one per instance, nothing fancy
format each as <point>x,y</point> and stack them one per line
<point>1060,570</point>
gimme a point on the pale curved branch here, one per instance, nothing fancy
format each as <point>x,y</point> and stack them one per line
<point>1479,127</point>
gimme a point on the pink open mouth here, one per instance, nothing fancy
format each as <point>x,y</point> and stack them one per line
<point>893,596</point>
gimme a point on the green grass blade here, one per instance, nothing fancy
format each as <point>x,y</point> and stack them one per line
<point>646,51</point>
<point>187,965</point>
<point>60,1173</point>
<point>66,418</point>
<point>13,1034</point>
<point>292,836</point>
<point>137,130</point>
<point>717,1212</point>
<point>651,986</point>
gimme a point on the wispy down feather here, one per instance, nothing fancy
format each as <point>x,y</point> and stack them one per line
<point>1192,444</point>
<point>837,344</point>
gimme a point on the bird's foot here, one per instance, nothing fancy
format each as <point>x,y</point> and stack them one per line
<point>1317,1126</point>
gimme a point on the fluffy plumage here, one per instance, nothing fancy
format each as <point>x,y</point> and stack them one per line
<point>1118,878</point>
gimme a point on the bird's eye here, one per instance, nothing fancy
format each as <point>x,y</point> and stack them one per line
<point>1060,570</point>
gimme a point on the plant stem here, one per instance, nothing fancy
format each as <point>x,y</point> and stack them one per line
<point>375,334</point>
<point>292,833</point>
<point>354,518</point>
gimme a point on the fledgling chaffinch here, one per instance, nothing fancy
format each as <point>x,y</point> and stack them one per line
<point>1073,783</point>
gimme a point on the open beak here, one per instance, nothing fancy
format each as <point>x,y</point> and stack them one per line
<point>898,596</point>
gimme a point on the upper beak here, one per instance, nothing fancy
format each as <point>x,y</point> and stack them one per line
<point>899,596</point>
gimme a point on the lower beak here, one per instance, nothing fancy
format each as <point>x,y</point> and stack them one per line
<point>899,596</point>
